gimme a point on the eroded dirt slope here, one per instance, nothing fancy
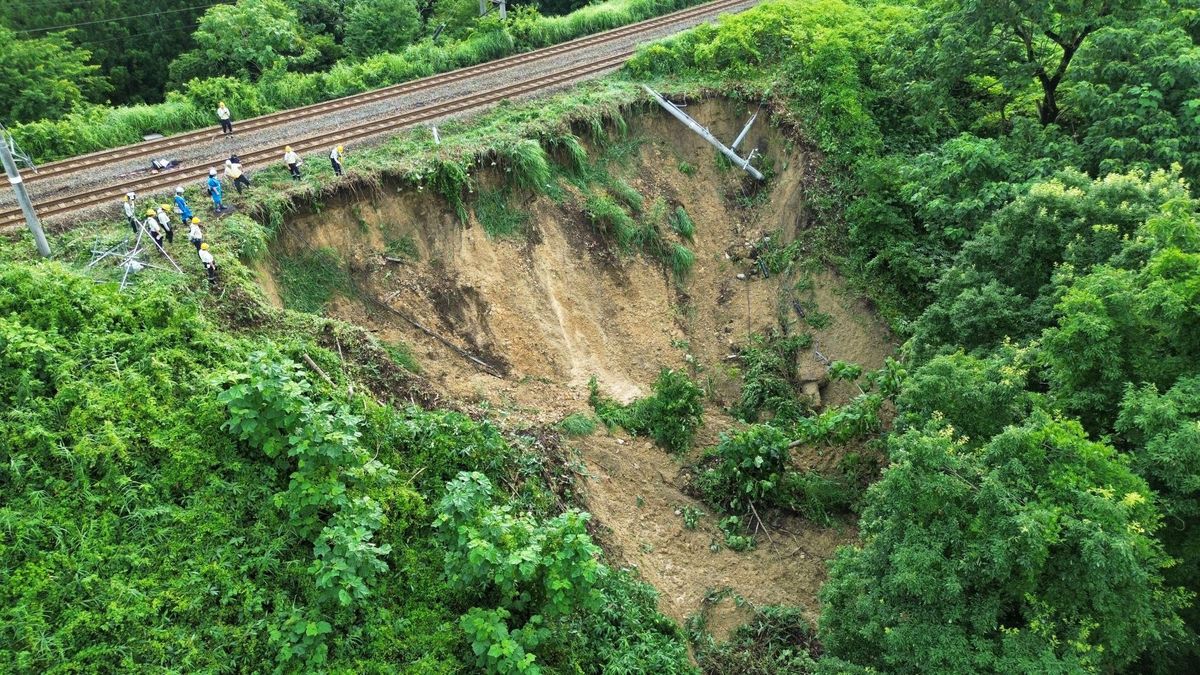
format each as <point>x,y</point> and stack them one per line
<point>553,308</point>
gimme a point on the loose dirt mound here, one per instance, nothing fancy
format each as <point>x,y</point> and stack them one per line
<point>556,308</point>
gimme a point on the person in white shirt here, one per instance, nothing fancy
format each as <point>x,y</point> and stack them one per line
<point>293,162</point>
<point>210,265</point>
<point>151,225</point>
<point>195,235</point>
<point>233,171</point>
<point>223,115</point>
<point>335,158</point>
<point>165,221</point>
<point>130,207</point>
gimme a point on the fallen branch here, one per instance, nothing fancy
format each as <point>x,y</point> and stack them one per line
<point>313,364</point>
<point>764,527</point>
<point>482,365</point>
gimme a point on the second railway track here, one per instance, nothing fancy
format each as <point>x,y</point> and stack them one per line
<point>161,147</point>
<point>152,184</point>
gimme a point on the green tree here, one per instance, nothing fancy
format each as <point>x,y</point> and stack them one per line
<point>1033,553</point>
<point>377,26</point>
<point>978,397</point>
<point>243,40</point>
<point>1033,38</point>
<point>1162,431</point>
<point>1121,326</point>
<point>132,41</point>
<point>1002,282</point>
<point>44,77</point>
<point>1135,98</point>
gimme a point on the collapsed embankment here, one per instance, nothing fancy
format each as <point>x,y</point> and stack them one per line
<point>538,291</point>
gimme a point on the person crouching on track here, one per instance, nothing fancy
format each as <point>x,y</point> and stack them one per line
<point>181,207</point>
<point>215,190</point>
<point>165,221</point>
<point>151,225</point>
<point>335,158</point>
<point>210,265</point>
<point>233,171</point>
<point>195,235</point>
<point>223,115</point>
<point>130,207</point>
<point>293,162</point>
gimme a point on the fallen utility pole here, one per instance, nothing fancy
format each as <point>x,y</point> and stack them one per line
<point>14,178</point>
<point>695,126</point>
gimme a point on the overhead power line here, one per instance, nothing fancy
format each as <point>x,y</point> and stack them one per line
<point>118,18</point>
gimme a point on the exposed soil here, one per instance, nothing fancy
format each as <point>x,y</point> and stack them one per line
<point>558,307</point>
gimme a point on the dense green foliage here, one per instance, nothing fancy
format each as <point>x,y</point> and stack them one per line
<point>1014,183</point>
<point>131,42</point>
<point>179,498</point>
<point>670,415</point>
<point>1033,553</point>
<point>261,56</point>
<point>43,76</point>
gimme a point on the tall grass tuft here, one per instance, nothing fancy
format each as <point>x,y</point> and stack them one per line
<point>450,179</point>
<point>682,224</point>
<point>627,194</point>
<point>610,218</point>
<point>682,260</point>
<point>576,154</point>
<point>494,211</point>
<point>527,164</point>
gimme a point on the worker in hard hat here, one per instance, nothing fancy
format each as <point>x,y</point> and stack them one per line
<point>293,162</point>
<point>165,221</point>
<point>223,115</point>
<point>130,208</point>
<point>214,190</point>
<point>181,206</point>
<point>233,171</point>
<point>151,225</point>
<point>195,235</point>
<point>210,265</point>
<point>335,158</point>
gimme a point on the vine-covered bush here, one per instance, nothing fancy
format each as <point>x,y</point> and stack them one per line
<point>670,415</point>
<point>534,572</point>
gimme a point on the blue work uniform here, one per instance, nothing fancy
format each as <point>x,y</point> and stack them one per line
<point>214,189</point>
<point>184,211</point>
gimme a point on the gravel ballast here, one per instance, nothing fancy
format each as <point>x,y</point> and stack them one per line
<point>214,151</point>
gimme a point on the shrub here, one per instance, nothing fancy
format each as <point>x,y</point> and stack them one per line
<point>536,572</point>
<point>670,415</point>
<point>577,424</point>
<point>776,640</point>
<point>768,377</point>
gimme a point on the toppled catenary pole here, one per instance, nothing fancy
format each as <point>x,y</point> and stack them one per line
<point>704,133</point>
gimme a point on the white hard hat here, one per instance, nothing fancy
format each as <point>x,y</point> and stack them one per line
<point>130,196</point>
<point>212,172</point>
<point>179,190</point>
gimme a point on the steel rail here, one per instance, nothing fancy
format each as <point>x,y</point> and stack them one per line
<point>162,147</point>
<point>257,158</point>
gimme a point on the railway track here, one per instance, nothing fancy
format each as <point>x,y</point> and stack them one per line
<point>162,147</point>
<point>164,181</point>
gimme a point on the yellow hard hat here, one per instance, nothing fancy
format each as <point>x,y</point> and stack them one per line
<point>221,103</point>
<point>341,149</point>
<point>195,219</point>
<point>149,212</point>
<point>203,247</point>
<point>164,206</point>
<point>287,148</point>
